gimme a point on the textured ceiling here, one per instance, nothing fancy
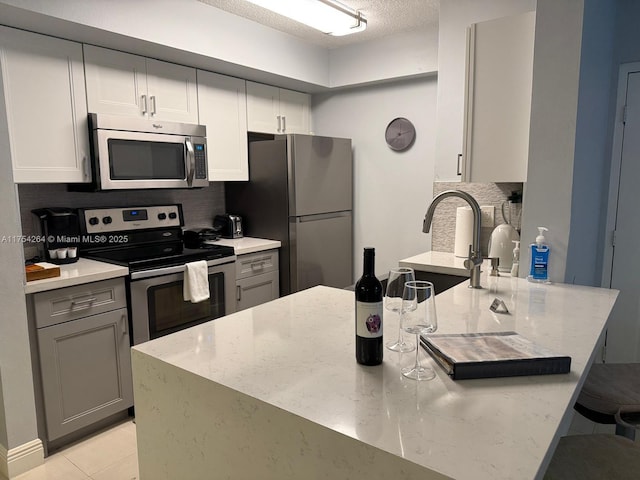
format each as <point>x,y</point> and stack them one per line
<point>384,17</point>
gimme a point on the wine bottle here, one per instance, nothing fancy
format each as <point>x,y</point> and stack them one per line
<point>369,313</point>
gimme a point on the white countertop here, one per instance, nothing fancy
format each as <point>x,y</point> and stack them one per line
<point>82,271</point>
<point>85,270</point>
<point>296,354</point>
<point>249,244</point>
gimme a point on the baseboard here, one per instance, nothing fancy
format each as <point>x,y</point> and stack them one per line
<point>21,459</point>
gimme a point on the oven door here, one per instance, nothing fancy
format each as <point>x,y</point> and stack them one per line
<point>136,160</point>
<point>158,307</point>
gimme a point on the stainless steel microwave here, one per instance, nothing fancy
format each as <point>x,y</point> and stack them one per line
<point>131,153</point>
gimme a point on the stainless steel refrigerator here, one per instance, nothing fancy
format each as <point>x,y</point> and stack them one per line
<point>300,191</point>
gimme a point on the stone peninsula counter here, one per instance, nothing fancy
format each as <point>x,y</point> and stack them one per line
<point>274,392</point>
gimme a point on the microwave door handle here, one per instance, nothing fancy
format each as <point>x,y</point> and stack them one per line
<point>192,162</point>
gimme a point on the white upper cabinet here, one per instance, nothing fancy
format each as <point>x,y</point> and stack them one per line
<point>43,86</point>
<point>124,84</point>
<point>295,111</point>
<point>173,92</point>
<point>498,99</point>
<point>263,108</point>
<point>222,105</point>
<point>276,110</point>
<point>116,82</point>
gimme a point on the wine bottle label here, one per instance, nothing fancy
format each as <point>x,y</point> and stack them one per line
<point>369,319</point>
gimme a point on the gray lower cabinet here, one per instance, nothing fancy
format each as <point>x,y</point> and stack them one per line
<point>84,355</point>
<point>256,279</point>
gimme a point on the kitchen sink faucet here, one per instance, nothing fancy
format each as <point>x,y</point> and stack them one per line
<point>474,260</point>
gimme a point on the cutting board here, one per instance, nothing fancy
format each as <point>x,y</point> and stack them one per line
<point>39,271</point>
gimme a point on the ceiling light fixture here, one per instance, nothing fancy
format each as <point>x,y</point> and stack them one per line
<point>328,16</point>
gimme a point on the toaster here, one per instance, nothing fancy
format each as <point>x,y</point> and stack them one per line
<point>228,226</point>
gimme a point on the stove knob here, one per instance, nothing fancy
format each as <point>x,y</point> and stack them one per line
<point>94,221</point>
<point>162,216</point>
<point>173,215</point>
<point>106,220</point>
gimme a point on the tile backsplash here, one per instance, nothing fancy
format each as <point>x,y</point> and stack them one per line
<point>199,205</point>
<point>444,218</point>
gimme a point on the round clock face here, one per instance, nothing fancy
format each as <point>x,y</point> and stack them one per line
<point>400,134</point>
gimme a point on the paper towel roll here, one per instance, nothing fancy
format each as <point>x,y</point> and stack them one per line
<point>464,232</point>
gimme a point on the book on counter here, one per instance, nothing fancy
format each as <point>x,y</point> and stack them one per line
<point>495,354</point>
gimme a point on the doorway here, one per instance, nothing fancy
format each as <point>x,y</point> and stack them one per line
<point>621,268</point>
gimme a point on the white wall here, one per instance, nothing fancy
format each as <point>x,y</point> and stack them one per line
<point>628,33</point>
<point>392,189</point>
<point>593,145</point>
<point>455,17</point>
<point>556,72</point>
<point>17,402</point>
<point>395,56</point>
<point>626,50</point>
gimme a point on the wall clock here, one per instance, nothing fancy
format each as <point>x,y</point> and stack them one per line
<point>400,134</point>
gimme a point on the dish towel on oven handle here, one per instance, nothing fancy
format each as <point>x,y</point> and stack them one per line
<point>196,282</point>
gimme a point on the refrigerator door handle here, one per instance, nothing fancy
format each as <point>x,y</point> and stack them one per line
<point>322,216</point>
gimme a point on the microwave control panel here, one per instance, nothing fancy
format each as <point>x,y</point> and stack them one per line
<point>201,160</point>
<point>103,220</point>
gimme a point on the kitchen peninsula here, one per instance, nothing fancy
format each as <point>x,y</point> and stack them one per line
<point>274,392</point>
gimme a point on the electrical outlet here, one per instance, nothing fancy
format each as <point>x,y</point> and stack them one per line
<point>488,216</point>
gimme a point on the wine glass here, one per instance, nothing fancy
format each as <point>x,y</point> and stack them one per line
<point>393,301</point>
<point>418,316</point>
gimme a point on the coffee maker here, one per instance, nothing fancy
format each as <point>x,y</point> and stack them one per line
<point>60,228</point>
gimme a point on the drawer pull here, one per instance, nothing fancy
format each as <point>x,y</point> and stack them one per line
<point>80,303</point>
<point>257,265</point>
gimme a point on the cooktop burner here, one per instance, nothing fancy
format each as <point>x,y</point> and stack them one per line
<point>162,255</point>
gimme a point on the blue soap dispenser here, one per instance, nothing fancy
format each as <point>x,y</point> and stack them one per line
<point>539,271</point>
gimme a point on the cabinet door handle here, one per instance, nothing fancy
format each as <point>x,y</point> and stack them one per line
<point>144,104</point>
<point>238,292</point>
<point>458,169</point>
<point>85,166</point>
<point>279,123</point>
<point>284,124</point>
<point>152,100</point>
<point>123,319</point>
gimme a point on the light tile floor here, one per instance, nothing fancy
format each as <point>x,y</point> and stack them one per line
<point>107,455</point>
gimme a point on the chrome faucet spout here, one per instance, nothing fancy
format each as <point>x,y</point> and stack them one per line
<point>474,261</point>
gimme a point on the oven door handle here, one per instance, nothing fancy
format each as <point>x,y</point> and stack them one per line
<point>156,272</point>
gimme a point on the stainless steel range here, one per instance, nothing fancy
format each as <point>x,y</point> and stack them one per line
<point>148,240</point>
